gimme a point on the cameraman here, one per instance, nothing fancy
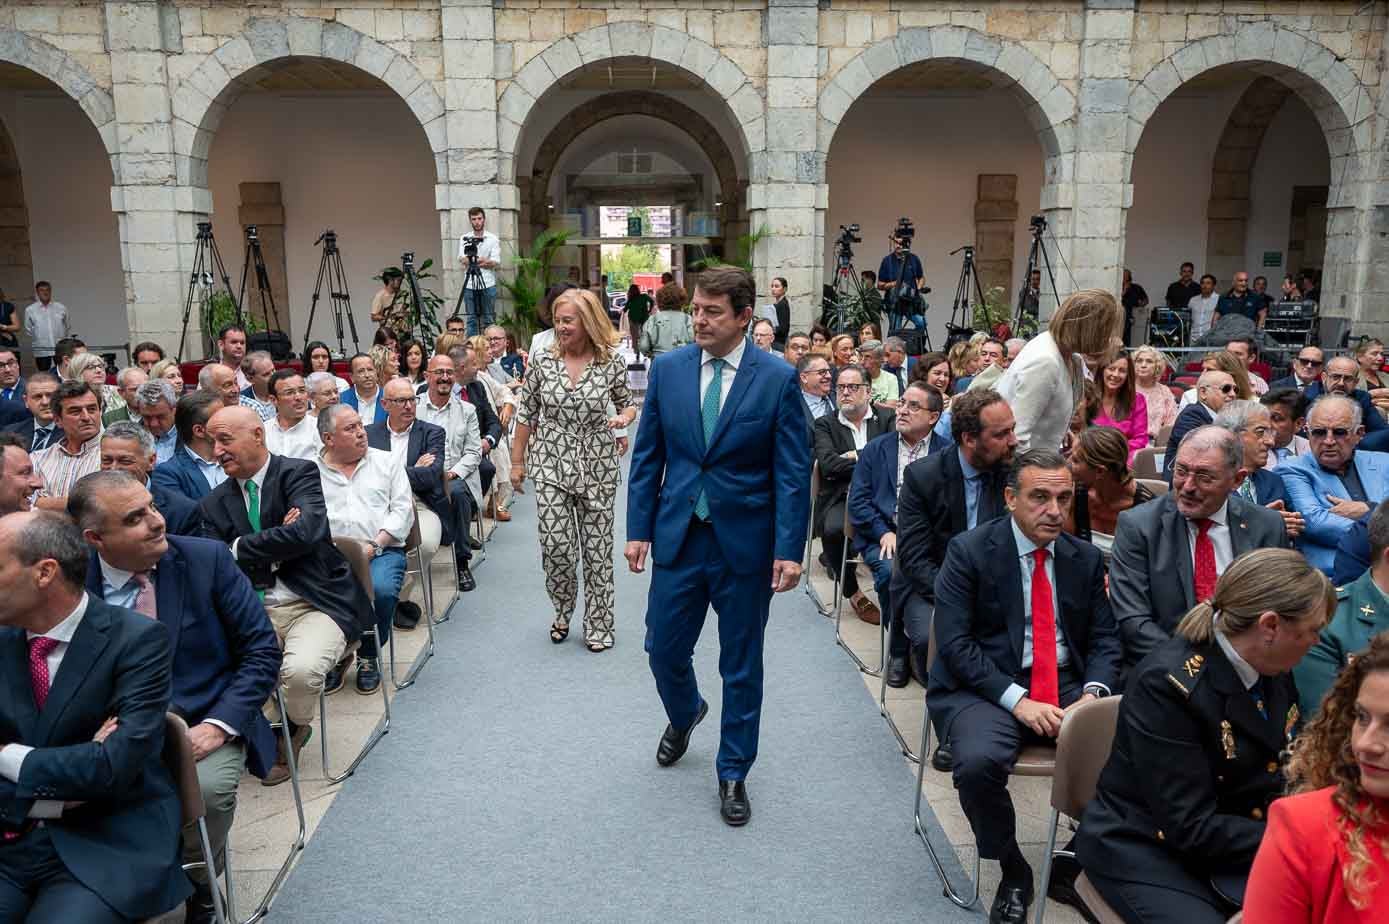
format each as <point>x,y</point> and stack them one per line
<point>387,307</point>
<point>479,301</point>
<point>902,268</point>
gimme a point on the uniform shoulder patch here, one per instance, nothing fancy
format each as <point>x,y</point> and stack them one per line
<point>1178,684</point>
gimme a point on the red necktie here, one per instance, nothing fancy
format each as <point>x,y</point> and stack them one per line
<point>39,650</point>
<point>1203,580</point>
<point>1044,687</point>
<point>144,597</point>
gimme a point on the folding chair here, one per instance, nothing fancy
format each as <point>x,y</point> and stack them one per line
<point>183,767</point>
<point>1156,485</point>
<point>1082,750</point>
<point>1145,462</point>
<point>1033,760</point>
<point>810,544</point>
<point>883,711</point>
<point>420,570</point>
<point>844,562</point>
<point>355,551</point>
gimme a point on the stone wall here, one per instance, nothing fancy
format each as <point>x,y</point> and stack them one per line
<point>155,77</point>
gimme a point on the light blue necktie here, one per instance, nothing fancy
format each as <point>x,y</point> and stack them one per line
<point>709,412</point>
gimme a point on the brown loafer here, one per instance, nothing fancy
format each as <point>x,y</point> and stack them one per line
<point>503,515</point>
<point>867,611</point>
<point>280,771</point>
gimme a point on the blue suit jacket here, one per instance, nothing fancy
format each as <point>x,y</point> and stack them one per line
<point>1308,485</point>
<point>124,843</point>
<point>181,514</point>
<point>349,398</point>
<point>14,410</point>
<point>180,474</point>
<point>1269,487</point>
<point>754,471</point>
<point>1289,381</point>
<point>1369,416</point>
<point>225,657</point>
<point>873,490</point>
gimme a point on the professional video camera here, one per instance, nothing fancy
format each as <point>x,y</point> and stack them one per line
<point>252,234</point>
<point>904,232</point>
<point>849,234</point>
<point>1038,223</point>
<point>407,260</point>
<point>470,247</point>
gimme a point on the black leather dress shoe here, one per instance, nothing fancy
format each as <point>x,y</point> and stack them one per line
<point>943,761</point>
<point>199,908</point>
<point>918,663</point>
<point>673,743</point>
<point>899,672</point>
<point>466,582</point>
<point>1062,887</point>
<point>332,683</point>
<point>1011,903</point>
<point>733,803</point>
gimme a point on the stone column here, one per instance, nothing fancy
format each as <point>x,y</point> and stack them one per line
<point>153,202</point>
<point>1355,277</point>
<point>262,206</point>
<point>16,258</point>
<point>788,195</point>
<point>1092,234</point>
<point>995,220</point>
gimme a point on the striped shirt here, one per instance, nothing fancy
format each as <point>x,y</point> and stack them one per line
<point>60,469</point>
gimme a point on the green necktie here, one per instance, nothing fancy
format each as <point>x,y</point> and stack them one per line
<point>253,506</point>
<point>709,412</point>
<point>1246,490</point>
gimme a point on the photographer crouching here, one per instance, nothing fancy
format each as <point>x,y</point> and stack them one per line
<point>480,255</point>
<point>902,279</point>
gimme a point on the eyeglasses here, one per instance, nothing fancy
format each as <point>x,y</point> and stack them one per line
<point>1225,389</point>
<point>1321,433</point>
<point>849,386</point>
<point>7,363</point>
<point>1341,376</point>
<point>1202,478</point>
<point>912,406</point>
<point>400,402</point>
<point>824,372</point>
<point>1308,361</point>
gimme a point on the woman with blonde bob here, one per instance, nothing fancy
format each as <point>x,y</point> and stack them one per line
<point>1047,380</point>
<point>1323,859</point>
<point>1149,363</point>
<point>574,459</point>
<point>1180,808</point>
<point>169,371</point>
<point>91,368</point>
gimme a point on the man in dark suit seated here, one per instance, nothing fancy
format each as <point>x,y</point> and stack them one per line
<point>40,429</point>
<point>224,653</point>
<point>271,511</point>
<point>127,447</point>
<point>1213,389</point>
<point>18,480</point>
<point>191,470</point>
<point>873,504</point>
<point>1169,552</point>
<point>1339,377</point>
<point>1251,422</point>
<point>12,406</point>
<point>1306,370</point>
<point>1353,552</point>
<point>89,818</point>
<point>419,446</point>
<point>1023,633</point>
<point>837,440</point>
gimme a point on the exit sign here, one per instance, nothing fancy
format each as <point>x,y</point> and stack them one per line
<point>634,226</point>
<point>1273,258</point>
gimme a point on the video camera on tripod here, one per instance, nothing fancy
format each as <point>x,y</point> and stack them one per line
<point>470,248</point>
<point>903,233</point>
<point>903,299</point>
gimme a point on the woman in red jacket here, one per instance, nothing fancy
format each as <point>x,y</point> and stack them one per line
<point>1323,858</point>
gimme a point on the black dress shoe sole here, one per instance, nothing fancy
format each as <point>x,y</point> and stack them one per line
<point>942,761</point>
<point>735,818</point>
<point>407,616</point>
<point>684,738</point>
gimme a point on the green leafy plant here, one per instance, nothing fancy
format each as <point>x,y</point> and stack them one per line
<point>632,259</point>
<point>746,247</point>
<point>527,286</point>
<point>425,323</point>
<point>855,308</point>
<point>220,310</point>
<point>995,315</point>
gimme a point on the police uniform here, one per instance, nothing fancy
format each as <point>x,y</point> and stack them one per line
<point>1197,759</point>
<point>1362,612</point>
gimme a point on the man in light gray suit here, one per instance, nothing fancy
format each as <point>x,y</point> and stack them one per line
<point>1169,551</point>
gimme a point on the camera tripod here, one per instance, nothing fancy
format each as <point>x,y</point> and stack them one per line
<point>407,266</point>
<point>1037,258</point>
<point>267,297</point>
<point>473,274</point>
<point>330,267</point>
<point>969,279</point>
<point>207,260</point>
<point>847,284</point>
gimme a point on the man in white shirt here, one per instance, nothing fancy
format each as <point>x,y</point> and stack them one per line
<point>231,344</point>
<point>479,302</point>
<point>462,456</point>
<point>46,322</point>
<point>368,498</point>
<point>291,432</point>
<point>1287,411</point>
<point>1203,307</point>
<point>258,367</point>
<point>323,391</point>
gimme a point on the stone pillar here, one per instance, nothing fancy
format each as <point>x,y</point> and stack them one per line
<point>1099,191</point>
<point>153,202</point>
<point>788,195</point>
<point>1355,279</point>
<point>16,259</point>
<point>995,218</point>
<point>262,206</point>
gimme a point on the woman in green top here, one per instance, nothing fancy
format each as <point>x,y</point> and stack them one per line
<point>670,327</point>
<point>638,310</point>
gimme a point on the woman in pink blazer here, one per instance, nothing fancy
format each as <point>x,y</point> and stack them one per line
<point>1121,407</point>
<point>1322,859</point>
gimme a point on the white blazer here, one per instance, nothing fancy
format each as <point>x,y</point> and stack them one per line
<point>1043,393</point>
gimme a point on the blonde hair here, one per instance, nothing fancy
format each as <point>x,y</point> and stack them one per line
<point>592,318</point>
<point>1225,361</point>
<point>1163,360</point>
<point>79,363</point>
<point>833,345</point>
<point>1089,322</point>
<point>481,351</point>
<point>443,343</point>
<point>1264,580</point>
<point>158,369</point>
<point>380,358</point>
<point>961,354</point>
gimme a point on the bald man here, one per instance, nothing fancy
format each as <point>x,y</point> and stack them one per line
<point>271,511</point>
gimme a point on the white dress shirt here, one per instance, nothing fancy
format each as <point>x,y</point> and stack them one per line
<point>730,369</point>
<point>12,755</point>
<point>462,439</point>
<point>278,594</point>
<point>300,441</point>
<point>1219,534</point>
<point>375,497</point>
<point>1202,313</point>
<point>489,248</point>
<point>46,325</point>
<point>859,430</point>
<point>400,444</point>
<point>366,408</point>
<point>1243,669</point>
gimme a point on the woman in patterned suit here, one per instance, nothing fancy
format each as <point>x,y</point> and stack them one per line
<point>574,459</point>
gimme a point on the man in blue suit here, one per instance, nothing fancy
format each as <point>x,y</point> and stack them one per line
<point>1337,482</point>
<point>225,656</point>
<point>365,395</point>
<point>89,818</point>
<point>720,486</point>
<point>1339,378</point>
<point>873,505</point>
<point>191,470</point>
<point>12,406</point>
<point>1252,423</point>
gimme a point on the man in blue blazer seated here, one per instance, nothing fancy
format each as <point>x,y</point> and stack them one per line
<point>192,470</point>
<point>128,447</point>
<point>89,817</point>
<point>873,505</point>
<point>1251,422</point>
<point>1023,633</point>
<point>365,395</point>
<point>719,497</point>
<point>1338,378</point>
<point>1353,552</point>
<point>12,406</point>
<point>225,655</point>
<point>1337,482</point>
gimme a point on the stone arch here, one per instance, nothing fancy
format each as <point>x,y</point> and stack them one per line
<point>204,96</point>
<point>634,102</point>
<point>16,256</point>
<point>1050,107</point>
<point>53,63</point>
<point>628,40</point>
